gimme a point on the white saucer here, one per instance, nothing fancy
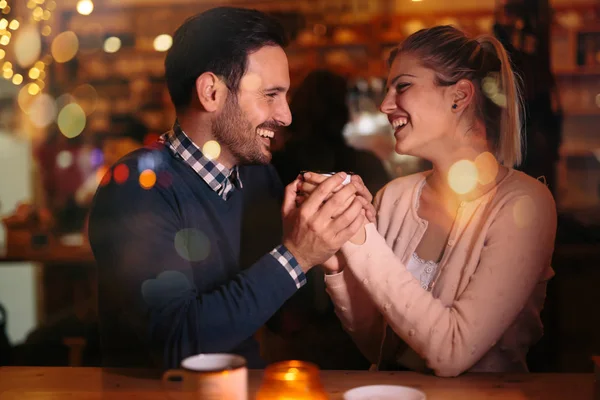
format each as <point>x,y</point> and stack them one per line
<point>384,392</point>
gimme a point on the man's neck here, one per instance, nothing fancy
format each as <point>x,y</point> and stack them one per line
<point>198,128</point>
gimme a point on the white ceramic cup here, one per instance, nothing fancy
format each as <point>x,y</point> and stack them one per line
<point>384,392</point>
<point>346,180</point>
<point>213,376</point>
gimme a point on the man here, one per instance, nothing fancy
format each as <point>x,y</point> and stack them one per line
<point>189,247</point>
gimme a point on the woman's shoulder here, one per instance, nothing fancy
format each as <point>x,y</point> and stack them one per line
<point>524,199</point>
<point>519,185</point>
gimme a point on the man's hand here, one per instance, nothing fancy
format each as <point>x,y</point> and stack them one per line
<point>315,231</point>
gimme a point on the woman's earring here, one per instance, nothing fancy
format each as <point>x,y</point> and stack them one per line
<point>454,106</point>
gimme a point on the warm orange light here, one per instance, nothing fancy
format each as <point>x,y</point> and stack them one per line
<point>293,380</point>
<point>487,167</point>
<point>147,179</point>
<point>463,176</point>
<point>524,212</point>
<point>104,176</point>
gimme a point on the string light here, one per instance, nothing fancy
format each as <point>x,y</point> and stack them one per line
<point>29,66</point>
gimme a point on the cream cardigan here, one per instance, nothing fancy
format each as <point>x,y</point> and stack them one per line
<point>483,311</point>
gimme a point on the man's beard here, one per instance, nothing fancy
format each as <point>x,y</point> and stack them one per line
<point>234,132</point>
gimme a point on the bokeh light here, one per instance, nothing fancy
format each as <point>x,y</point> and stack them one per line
<point>64,100</point>
<point>211,150</point>
<point>112,44</point>
<point>463,176</point>
<point>104,175</point>
<point>64,159</point>
<point>25,99</point>
<point>3,23</point>
<point>524,212</point>
<point>46,30</point>
<point>487,167</point>
<point>71,120</point>
<point>17,79</point>
<point>163,42</point>
<point>491,88</point>
<point>151,138</point>
<point>147,179</point>
<point>7,73</point>
<point>34,73</point>
<point>85,7</point>
<point>33,89</point>
<point>65,46</point>
<point>192,244</point>
<point>4,40</point>
<point>38,13</point>
<point>42,111</point>
<point>87,97</point>
<point>97,158</point>
<point>14,25</point>
<point>121,173</point>
<point>2,54</point>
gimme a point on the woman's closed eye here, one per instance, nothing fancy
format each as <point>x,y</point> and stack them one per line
<point>401,87</point>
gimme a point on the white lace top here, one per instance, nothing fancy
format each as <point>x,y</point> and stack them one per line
<point>423,271</point>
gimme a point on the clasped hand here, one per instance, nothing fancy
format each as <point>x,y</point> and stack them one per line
<point>320,214</point>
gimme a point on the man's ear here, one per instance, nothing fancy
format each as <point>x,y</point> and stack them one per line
<point>464,94</point>
<point>211,91</point>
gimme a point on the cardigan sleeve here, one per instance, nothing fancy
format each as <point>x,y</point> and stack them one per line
<point>452,339</point>
<point>355,309</point>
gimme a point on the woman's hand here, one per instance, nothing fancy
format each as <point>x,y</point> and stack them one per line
<point>335,264</point>
<point>311,180</point>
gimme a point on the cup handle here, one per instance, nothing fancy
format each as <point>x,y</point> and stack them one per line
<point>172,373</point>
<point>173,387</point>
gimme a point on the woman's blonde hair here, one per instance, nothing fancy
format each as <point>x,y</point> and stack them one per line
<point>484,61</point>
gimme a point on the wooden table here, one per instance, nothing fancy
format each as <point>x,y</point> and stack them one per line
<point>26,383</point>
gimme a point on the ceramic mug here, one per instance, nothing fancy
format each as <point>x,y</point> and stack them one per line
<point>216,376</point>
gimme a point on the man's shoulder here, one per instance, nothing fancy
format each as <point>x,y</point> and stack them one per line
<point>139,176</point>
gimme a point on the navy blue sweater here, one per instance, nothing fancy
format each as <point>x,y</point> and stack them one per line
<point>180,270</point>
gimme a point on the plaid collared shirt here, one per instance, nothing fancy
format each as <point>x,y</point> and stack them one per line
<point>220,179</point>
<point>223,181</point>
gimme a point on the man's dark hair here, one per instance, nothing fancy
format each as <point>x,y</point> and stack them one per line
<point>218,40</point>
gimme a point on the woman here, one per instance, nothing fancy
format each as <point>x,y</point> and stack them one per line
<point>453,275</point>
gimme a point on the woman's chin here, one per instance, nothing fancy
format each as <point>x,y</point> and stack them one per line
<point>402,148</point>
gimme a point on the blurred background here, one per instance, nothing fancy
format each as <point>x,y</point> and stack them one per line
<point>81,84</point>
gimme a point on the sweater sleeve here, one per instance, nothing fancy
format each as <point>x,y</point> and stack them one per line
<point>452,339</point>
<point>145,270</point>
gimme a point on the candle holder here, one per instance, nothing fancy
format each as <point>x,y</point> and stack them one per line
<point>291,380</point>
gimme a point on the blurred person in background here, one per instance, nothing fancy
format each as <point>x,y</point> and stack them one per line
<point>316,143</point>
<point>453,275</point>
<point>316,140</point>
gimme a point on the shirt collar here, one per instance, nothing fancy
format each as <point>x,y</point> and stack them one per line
<point>221,179</point>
